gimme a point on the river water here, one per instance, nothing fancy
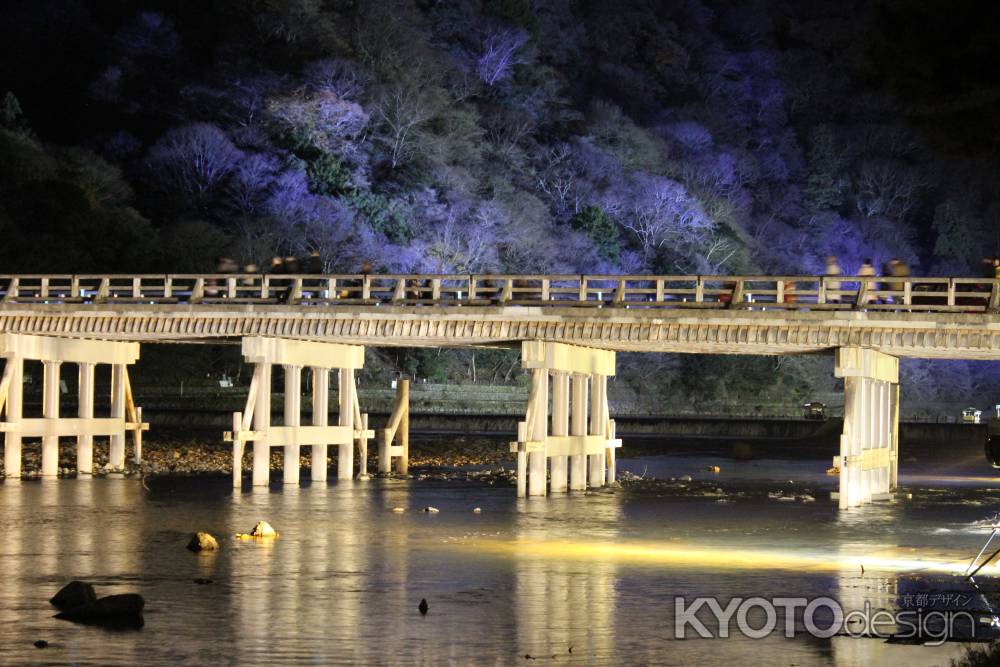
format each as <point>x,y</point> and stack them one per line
<point>565,580</point>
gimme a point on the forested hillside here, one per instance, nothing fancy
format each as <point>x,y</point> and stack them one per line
<point>601,136</point>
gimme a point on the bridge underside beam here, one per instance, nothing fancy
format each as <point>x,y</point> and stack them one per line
<point>568,445</point>
<point>869,455</point>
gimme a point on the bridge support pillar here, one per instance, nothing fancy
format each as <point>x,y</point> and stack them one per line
<point>320,417</point>
<point>536,445</point>
<point>13,386</point>
<point>598,404</point>
<point>293,417</point>
<point>262,424</point>
<point>398,428</point>
<point>116,452</point>
<point>345,452</point>
<point>558,470</point>
<point>538,426</point>
<point>85,410</point>
<point>53,352</point>
<point>578,462</point>
<point>50,410</point>
<point>294,355</point>
<point>868,445</point>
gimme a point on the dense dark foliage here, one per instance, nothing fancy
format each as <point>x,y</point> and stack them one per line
<point>501,135</point>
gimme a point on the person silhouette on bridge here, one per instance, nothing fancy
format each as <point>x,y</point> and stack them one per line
<point>832,286</point>
<point>897,269</point>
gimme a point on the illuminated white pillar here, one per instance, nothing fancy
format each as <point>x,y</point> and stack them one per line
<point>894,436</point>
<point>345,454</point>
<point>116,454</point>
<point>522,461</point>
<point>599,385</point>
<point>320,410</point>
<point>538,428</point>
<point>293,418</point>
<point>15,408</point>
<point>50,410</point>
<point>560,426</point>
<point>261,423</point>
<point>578,462</point>
<point>85,410</point>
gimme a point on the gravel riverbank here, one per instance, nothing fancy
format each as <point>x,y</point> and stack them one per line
<point>198,457</point>
<point>482,461</point>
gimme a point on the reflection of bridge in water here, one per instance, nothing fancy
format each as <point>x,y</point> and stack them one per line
<point>568,327</point>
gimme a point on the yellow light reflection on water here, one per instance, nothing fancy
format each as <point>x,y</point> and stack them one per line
<point>722,556</point>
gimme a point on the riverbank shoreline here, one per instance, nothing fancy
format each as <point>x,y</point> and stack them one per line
<point>486,462</point>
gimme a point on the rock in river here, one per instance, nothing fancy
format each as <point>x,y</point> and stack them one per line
<point>74,594</point>
<point>262,529</point>
<point>203,542</point>
<point>123,611</point>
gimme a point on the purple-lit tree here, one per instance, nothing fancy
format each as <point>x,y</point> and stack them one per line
<point>194,160</point>
<point>501,50</point>
<point>660,213</point>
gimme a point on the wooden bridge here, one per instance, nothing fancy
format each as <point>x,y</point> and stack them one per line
<point>568,327</point>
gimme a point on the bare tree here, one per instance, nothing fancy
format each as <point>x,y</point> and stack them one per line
<point>194,159</point>
<point>887,188</point>
<point>659,212</point>
<point>501,51</point>
<point>401,110</point>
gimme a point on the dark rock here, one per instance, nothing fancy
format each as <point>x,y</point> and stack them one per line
<point>114,610</point>
<point>423,606</point>
<point>203,542</point>
<point>74,594</point>
<point>41,643</point>
<point>202,582</point>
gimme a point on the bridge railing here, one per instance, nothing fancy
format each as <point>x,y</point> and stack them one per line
<point>632,291</point>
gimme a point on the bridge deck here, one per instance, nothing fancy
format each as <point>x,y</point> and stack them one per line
<point>929,317</point>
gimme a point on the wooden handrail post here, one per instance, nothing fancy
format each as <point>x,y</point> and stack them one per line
<point>198,291</point>
<point>295,290</point>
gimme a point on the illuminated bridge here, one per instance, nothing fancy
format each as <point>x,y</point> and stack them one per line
<point>568,327</point>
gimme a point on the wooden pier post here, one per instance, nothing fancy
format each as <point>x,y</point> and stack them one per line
<point>116,454</point>
<point>50,410</point>
<point>558,465</point>
<point>85,410</point>
<point>345,452</point>
<point>262,422</point>
<point>538,431</point>
<point>293,417</point>
<point>14,381</point>
<point>598,417</point>
<point>578,462</point>
<point>320,417</point>
<point>398,430</point>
